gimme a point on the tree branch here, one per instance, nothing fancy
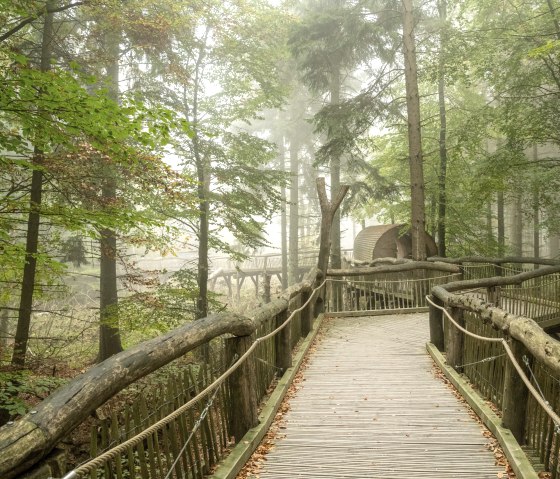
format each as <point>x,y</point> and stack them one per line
<point>37,15</point>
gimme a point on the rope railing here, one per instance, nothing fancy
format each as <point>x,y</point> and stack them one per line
<point>112,453</point>
<point>536,394</point>
<point>498,317</point>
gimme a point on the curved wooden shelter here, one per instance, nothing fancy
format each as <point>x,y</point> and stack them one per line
<point>387,241</point>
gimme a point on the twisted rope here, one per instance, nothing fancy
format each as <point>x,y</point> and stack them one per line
<point>88,466</point>
<point>542,402</point>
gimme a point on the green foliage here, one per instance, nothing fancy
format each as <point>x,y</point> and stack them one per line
<point>20,389</point>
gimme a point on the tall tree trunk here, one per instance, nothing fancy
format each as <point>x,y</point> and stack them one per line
<point>536,218</point>
<point>489,227</point>
<point>442,178</point>
<point>554,245</point>
<point>203,171</point>
<point>501,225</point>
<point>203,189</point>
<point>336,260</point>
<point>33,219</point>
<point>517,225</point>
<point>109,333</point>
<point>328,211</point>
<point>418,226</point>
<point>293,265</point>
<point>284,221</point>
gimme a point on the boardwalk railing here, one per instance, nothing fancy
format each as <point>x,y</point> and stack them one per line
<point>490,334</point>
<point>386,288</point>
<point>208,378</point>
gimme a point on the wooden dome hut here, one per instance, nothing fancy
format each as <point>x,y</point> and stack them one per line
<point>387,241</point>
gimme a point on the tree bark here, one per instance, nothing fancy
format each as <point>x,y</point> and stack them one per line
<point>418,225</point>
<point>536,217</point>
<point>293,266</point>
<point>284,222</point>
<point>442,178</point>
<point>328,211</point>
<point>34,217</point>
<point>336,259</point>
<point>501,225</point>
<point>109,333</point>
<point>517,224</point>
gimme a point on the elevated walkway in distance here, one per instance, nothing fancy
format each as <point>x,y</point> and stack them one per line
<point>371,407</point>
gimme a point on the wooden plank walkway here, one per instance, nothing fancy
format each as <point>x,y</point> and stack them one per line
<point>371,407</point>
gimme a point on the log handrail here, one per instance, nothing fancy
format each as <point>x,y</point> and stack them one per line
<point>542,346</point>
<point>30,439</point>
<point>395,268</point>
<point>498,261</point>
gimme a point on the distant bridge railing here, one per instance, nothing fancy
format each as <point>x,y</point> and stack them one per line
<point>493,330</point>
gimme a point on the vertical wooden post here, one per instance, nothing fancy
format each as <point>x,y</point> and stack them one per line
<point>306,314</point>
<point>493,295</point>
<point>266,286</point>
<point>514,406</point>
<point>436,325</point>
<point>243,413</point>
<point>455,340</point>
<point>283,343</point>
<point>498,271</point>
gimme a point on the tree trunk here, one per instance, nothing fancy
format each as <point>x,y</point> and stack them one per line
<point>414,135</point>
<point>109,334</point>
<point>336,260</point>
<point>501,225</point>
<point>554,245</point>
<point>328,210</point>
<point>293,266</point>
<point>517,225</point>
<point>33,219</point>
<point>284,222</point>
<point>203,172</point>
<point>442,179</point>
<point>536,218</point>
<point>489,227</point>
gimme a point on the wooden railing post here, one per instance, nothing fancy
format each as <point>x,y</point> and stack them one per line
<point>455,340</point>
<point>436,325</point>
<point>306,314</point>
<point>243,405</point>
<point>493,295</point>
<point>514,405</point>
<point>266,287</point>
<point>283,344</point>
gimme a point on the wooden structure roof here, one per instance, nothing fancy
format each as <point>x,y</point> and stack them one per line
<point>387,241</point>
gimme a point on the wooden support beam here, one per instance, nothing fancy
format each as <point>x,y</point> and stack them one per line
<point>455,340</point>
<point>436,325</point>
<point>283,343</point>
<point>515,396</point>
<point>243,398</point>
<point>306,314</point>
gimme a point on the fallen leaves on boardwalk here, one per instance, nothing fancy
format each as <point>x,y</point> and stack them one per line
<point>492,444</point>
<point>254,465</point>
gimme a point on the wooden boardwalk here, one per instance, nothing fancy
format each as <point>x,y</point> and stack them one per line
<point>371,407</point>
